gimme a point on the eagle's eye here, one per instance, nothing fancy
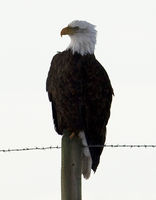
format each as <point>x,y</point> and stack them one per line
<point>76,28</point>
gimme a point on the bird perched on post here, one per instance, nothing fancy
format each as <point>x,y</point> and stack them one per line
<point>80,92</point>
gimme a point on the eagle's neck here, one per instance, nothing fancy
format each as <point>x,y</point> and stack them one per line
<point>83,43</point>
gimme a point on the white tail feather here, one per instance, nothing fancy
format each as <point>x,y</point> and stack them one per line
<point>86,157</point>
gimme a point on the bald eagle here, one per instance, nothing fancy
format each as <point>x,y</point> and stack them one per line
<point>80,92</point>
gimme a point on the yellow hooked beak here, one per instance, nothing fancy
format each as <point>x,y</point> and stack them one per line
<point>68,31</point>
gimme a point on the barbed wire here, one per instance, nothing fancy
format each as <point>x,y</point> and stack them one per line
<point>29,149</point>
<point>91,146</point>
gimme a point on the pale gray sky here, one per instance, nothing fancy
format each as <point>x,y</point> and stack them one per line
<point>126,47</point>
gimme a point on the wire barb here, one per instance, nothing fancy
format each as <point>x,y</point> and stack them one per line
<point>91,146</point>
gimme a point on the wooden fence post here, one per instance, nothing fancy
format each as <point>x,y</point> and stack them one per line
<point>71,167</point>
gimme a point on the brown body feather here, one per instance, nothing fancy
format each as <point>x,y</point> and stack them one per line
<point>81,95</point>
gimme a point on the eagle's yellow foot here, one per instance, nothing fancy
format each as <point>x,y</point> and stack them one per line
<point>72,135</point>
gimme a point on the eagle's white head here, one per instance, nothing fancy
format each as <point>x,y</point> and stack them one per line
<point>83,37</point>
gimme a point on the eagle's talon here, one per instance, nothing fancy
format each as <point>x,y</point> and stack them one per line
<point>72,135</point>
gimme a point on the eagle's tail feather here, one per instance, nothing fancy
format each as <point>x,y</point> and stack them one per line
<point>86,157</point>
